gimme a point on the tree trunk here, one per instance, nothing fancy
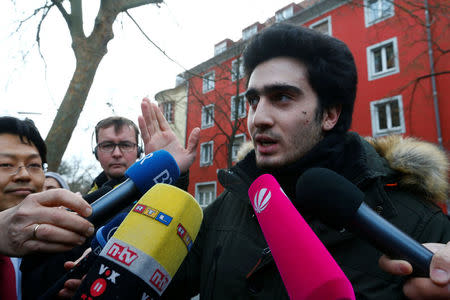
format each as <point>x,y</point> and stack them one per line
<point>88,52</point>
<point>70,109</point>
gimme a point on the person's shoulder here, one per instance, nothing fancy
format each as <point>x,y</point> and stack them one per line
<point>421,167</point>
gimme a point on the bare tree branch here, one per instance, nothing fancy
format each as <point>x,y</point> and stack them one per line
<point>62,10</point>
<point>38,33</point>
<point>125,5</point>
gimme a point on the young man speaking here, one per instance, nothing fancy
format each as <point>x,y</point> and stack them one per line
<point>301,91</point>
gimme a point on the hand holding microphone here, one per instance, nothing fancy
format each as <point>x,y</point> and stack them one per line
<point>156,167</point>
<point>339,204</point>
<point>144,253</point>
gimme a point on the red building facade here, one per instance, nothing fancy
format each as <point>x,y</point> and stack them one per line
<point>400,89</point>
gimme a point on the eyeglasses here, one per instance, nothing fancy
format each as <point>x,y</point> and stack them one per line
<point>109,147</point>
<point>10,169</point>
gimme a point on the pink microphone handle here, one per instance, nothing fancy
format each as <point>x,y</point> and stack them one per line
<point>306,267</point>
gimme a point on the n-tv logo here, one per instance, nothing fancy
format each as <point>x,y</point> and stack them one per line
<point>261,200</point>
<point>159,280</point>
<point>122,254</point>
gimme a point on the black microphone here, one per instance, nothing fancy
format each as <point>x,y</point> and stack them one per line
<point>155,167</point>
<point>91,197</point>
<point>339,204</point>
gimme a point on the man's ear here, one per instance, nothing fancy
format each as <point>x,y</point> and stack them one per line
<point>330,117</point>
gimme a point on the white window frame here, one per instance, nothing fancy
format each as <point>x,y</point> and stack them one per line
<point>205,122</point>
<point>209,161</point>
<point>284,14</point>
<point>320,22</point>
<point>242,114</point>
<point>376,131</point>
<point>209,81</point>
<point>367,12</point>
<point>249,32</point>
<point>371,59</point>
<point>169,114</point>
<point>197,193</point>
<point>237,61</point>
<point>235,148</point>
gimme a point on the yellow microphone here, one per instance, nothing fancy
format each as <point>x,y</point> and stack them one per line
<point>143,255</point>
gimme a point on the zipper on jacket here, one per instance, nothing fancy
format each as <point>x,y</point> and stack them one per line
<point>252,285</point>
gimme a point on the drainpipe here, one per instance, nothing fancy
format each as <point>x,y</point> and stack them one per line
<point>433,77</point>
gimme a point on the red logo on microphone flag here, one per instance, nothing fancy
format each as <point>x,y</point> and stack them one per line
<point>122,254</point>
<point>159,280</point>
<point>185,237</point>
<point>139,208</point>
<point>98,287</point>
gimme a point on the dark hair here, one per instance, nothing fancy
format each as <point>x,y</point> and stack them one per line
<point>118,123</point>
<point>27,132</point>
<point>329,63</point>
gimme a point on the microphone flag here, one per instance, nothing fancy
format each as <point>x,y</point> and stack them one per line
<point>143,255</point>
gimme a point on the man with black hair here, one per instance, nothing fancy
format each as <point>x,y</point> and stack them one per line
<point>31,221</point>
<point>301,91</point>
<point>117,148</point>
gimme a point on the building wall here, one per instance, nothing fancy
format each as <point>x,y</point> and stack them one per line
<point>221,97</point>
<point>348,24</point>
<point>178,96</point>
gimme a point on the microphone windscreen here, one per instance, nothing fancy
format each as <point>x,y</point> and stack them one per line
<point>147,249</point>
<point>323,192</point>
<point>105,232</point>
<point>155,167</point>
<point>305,265</point>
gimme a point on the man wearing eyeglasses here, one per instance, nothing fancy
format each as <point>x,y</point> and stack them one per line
<point>31,221</point>
<point>117,149</point>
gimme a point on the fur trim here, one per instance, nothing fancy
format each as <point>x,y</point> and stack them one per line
<point>244,149</point>
<point>424,167</point>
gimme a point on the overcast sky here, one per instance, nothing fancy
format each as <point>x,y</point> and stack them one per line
<point>133,68</point>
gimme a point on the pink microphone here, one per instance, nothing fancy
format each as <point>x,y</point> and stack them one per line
<point>306,267</point>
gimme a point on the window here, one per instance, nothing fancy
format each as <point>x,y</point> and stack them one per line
<point>382,59</point>
<point>387,116</point>
<point>205,193</point>
<point>206,153</point>
<point>208,82</point>
<point>377,10</point>
<point>284,14</point>
<point>220,48</point>
<point>168,111</point>
<point>249,32</point>
<point>237,69</point>
<point>208,116</point>
<point>239,139</point>
<point>238,107</point>
<point>323,26</point>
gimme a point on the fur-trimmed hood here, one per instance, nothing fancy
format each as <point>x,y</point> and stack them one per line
<point>422,165</point>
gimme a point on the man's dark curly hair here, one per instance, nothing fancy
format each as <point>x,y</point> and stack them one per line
<point>329,63</point>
